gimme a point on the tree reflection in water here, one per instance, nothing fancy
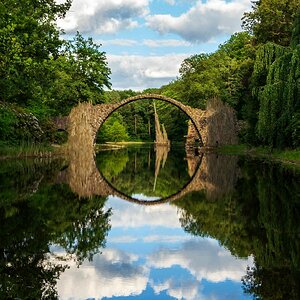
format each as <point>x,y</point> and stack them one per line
<point>36,213</point>
<point>170,173</point>
<point>251,207</point>
<point>260,217</point>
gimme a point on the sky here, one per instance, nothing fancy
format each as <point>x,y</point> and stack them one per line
<point>146,40</point>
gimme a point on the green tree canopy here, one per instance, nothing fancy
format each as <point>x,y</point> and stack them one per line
<point>28,39</point>
<point>223,74</point>
<point>276,89</point>
<point>271,20</point>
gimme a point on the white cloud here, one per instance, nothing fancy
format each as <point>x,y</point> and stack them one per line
<point>128,215</point>
<point>146,42</point>
<point>117,273</point>
<point>139,72</point>
<point>144,197</point>
<point>203,21</point>
<point>166,238</point>
<point>111,274</point>
<point>90,16</point>
<point>188,290</point>
<point>123,239</point>
<point>205,259</point>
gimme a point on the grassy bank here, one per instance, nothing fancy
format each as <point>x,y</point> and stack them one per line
<point>286,156</point>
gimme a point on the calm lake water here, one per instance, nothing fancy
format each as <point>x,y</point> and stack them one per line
<point>145,223</point>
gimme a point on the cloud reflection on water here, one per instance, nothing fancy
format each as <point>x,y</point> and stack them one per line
<point>112,273</point>
<point>126,215</point>
<point>188,264</point>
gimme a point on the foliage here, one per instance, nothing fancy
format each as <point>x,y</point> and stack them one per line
<point>272,113</point>
<point>138,118</point>
<point>48,76</point>
<point>260,217</point>
<point>264,93</point>
<point>29,39</point>
<point>296,31</point>
<point>113,130</point>
<point>174,119</point>
<point>132,171</point>
<point>80,74</point>
<point>114,96</point>
<point>271,283</point>
<point>279,106</point>
<point>17,126</point>
<point>222,74</point>
<point>31,224</point>
<point>112,163</point>
<point>8,121</point>
<point>39,71</point>
<point>271,20</point>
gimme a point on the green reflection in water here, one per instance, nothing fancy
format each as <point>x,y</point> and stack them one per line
<point>35,213</point>
<point>260,217</point>
<point>144,170</point>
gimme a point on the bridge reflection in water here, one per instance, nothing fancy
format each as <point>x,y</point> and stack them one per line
<point>215,174</point>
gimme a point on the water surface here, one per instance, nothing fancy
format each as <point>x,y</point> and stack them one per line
<point>158,224</point>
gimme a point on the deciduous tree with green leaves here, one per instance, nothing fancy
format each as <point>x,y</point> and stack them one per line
<point>29,38</point>
<point>271,20</point>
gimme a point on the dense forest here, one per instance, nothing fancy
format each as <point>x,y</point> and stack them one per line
<point>257,72</point>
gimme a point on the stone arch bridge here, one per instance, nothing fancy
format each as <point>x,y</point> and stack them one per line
<point>85,119</point>
<point>217,125</point>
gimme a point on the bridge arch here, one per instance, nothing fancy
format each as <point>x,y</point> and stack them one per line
<point>192,113</point>
<point>85,120</point>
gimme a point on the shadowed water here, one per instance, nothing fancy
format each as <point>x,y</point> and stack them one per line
<point>232,232</point>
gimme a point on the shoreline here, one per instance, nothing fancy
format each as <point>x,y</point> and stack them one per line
<point>287,156</point>
<point>33,151</point>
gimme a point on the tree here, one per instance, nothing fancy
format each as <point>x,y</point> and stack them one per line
<point>41,71</point>
<point>223,74</point>
<point>276,90</point>
<point>31,222</point>
<point>89,67</point>
<point>271,20</point>
<point>80,73</point>
<point>113,129</point>
<point>29,38</point>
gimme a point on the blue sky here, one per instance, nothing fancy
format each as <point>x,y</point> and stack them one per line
<point>146,40</point>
